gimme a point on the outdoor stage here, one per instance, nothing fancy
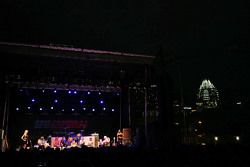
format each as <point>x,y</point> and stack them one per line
<point>61,91</point>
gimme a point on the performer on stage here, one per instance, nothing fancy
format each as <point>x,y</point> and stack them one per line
<point>119,136</point>
<point>26,144</point>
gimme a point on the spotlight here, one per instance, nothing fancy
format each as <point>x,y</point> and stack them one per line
<point>113,110</point>
<point>17,109</point>
<point>118,94</point>
<point>51,108</point>
<point>69,92</point>
<point>103,108</point>
<point>56,101</point>
<point>99,93</point>
<point>81,101</point>
<point>62,110</point>
<point>41,109</point>
<point>72,109</point>
<point>75,92</point>
<point>84,108</point>
<point>88,93</point>
<point>101,101</point>
<point>29,108</point>
<point>55,91</point>
<point>93,109</point>
<point>33,100</point>
<point>43,90</point>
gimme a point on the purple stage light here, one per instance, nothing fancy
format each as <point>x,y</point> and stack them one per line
<point>56,101</point>
<point>75,92</point>
<point>55,91</point>
<point>81,101</point>
<point>33,100</point>
<point>69,92</point>
<point>101,101</point>
<point>88,93</point>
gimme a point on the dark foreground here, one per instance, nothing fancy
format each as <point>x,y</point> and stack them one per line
<point>183,156</point>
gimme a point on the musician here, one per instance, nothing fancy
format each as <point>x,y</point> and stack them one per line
<point>106,141</point>
<point>119,136</point>
<point>25,140</point>
<point>42,143</point>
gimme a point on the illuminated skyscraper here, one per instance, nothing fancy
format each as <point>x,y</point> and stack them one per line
<point>208,95</point>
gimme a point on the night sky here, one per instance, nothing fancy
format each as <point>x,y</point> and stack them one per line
<point>209,39</point>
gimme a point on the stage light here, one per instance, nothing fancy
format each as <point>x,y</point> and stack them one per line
<point>43,90</point>
<point>103,108</point>
<point>99,93</point>
<point>72,109</point>
<point>101,101</point>
<point>112,110</point>
<point>93,109</point>
<point>51,108</point>
<point>20,90</point>
<point>33,100</point>
<point>29,108</point>
<point>88,93</point>
<point>118,94</point>
<point>17,109</point>
<point>84,108</point>
<point>56,101</point>
<point>81,101</point>
<point>69,92</point>
<point>62,110</point>
<point>75,92</point>
<point>41,109</point>
<point>55,91</point>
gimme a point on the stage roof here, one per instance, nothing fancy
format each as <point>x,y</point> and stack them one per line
<point>69,52</point>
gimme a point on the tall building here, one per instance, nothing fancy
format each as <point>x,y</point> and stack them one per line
<point>208,96</point>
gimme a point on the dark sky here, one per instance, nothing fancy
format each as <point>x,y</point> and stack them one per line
<point>209,38</point>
